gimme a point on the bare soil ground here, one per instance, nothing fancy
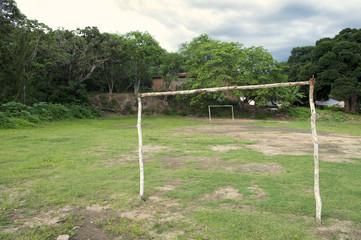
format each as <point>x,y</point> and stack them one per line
<point>285,140</point>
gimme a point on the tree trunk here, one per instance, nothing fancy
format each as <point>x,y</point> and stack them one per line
<point>315,154</point>
<point>24,85</point>
<point>24,91</point>
<point>350,103</point>
<point>86,77</point>
<point>136,86</point>
<point>353,102</point>
<point>110,84</point>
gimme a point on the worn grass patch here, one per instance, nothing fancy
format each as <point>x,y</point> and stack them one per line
<point>203,181</point>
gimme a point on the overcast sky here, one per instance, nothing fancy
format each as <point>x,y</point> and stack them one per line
<point>277,25</point>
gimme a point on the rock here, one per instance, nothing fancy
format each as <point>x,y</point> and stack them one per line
<point>63,237</point>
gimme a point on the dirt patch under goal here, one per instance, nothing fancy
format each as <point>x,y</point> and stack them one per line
<point>243,167</point>
<point>341,230</point>
<point>333,147</point>
<point>259,193</point>
<point>214,163</point>
<point>228,192</point>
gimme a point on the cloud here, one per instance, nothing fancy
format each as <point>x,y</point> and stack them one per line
<point>277,25</point>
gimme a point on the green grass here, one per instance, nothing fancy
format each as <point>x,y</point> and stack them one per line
<point>80,163</point>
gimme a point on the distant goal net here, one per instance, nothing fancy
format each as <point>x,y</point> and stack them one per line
<point>219,106</point>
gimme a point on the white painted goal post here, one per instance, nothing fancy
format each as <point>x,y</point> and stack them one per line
<point>311,83</point>
<point>210,106</point>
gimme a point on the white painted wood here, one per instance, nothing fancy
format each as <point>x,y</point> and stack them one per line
<point>311,82</point>
<point>216,89</point>
<point>210,106</point>
<point>315,153</point>
<point>140,141</point>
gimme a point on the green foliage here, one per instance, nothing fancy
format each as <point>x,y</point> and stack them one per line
<point>336,63</point>
<point>144,54</point>
<point>18,115</point>
<point>6,122</point>
<point>300,113</point>
<point>329,114</point>
<point>213,63</point>
<point>261,116</point>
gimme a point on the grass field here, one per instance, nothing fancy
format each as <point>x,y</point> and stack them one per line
<point>225,180</point>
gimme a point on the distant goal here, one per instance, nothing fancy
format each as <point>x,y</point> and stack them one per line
<point>218,106</point>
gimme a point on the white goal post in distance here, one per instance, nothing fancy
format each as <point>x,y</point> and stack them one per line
<point>210,106</point>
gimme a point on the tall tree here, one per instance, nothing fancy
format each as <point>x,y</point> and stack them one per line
<point>79,52</point>
<point>299,57</point>
<point>143,56</point>
<point>336,62</point>
<point>214,63</point>
<point>170,66</point>
<point>23,47</point>
<point>9,15</point>
<point>114,52</point>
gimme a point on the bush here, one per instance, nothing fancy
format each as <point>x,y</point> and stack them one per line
<point>17,115</point>
<point>300,113</point>
<point>41,109</point>
<point>84,111</point>
<point>261,116</point>
<point>59,112</point>
<point>20,122</point>
<point>6,122</point>
<point>19,111</point>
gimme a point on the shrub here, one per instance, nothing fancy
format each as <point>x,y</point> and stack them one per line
<point>261,116</point>
<point>6,122</point>
<point>42,110</point>
<point>59,112</point>
<point>300,113</point>
<point>15,115</point>
<point>84,111</point>
<point>20,122</point>
<point>14,109</point>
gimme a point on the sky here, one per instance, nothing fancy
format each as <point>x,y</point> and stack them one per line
<point>277,25</point>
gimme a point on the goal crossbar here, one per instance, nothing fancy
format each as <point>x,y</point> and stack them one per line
<point>311,83</point>
<point>217,89</point>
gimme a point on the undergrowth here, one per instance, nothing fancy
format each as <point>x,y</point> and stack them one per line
<point>326,114</point>
<point>18,115</point>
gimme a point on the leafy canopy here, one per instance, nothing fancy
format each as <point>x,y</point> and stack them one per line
<point>336,63</point>
<point>213,63</point>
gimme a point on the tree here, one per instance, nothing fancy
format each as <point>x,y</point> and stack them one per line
<point>113,68</point>
<point>143,53</point>
<point>299,57</point>
<point>171,65</point>
<point>336,63</point>
<point>23,47</point>
<point>214,63</point>
<point>9,14</point>
<point>80,52</point>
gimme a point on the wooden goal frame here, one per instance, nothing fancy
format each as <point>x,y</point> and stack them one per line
<point>311,83</point>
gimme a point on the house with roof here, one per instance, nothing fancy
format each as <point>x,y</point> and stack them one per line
<point>332,102</point>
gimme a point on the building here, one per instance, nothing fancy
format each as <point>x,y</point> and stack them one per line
<point>159,84</point>
<point>331,103</point>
